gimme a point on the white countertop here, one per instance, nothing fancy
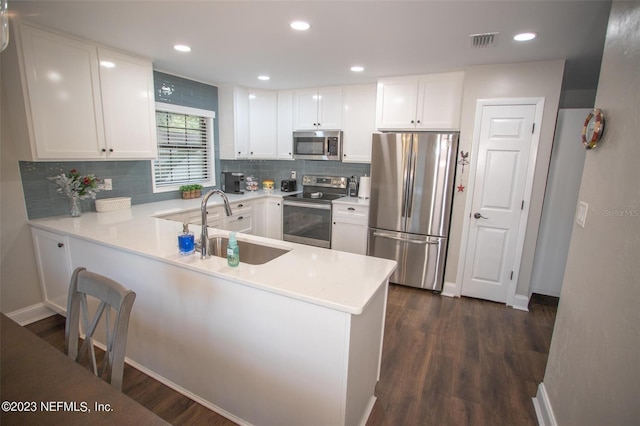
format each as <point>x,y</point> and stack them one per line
<point>352,201</point>
<point>330,278</point>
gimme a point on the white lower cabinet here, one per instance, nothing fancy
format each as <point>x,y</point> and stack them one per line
<point>54,268</point>
<point>273,218</point>
<point>242,218</point>
<point>350,227</point>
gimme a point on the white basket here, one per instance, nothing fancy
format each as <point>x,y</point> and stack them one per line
<point>113,204</point>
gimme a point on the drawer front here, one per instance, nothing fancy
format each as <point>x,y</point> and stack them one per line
<point>240,223</point>
<point>240,208</point>
<point>351,214</point>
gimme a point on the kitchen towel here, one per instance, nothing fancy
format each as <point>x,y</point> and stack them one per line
<point>364,191</point>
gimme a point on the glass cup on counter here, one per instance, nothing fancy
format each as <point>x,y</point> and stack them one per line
<point>251,182</point>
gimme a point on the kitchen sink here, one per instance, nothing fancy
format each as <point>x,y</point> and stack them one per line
<point>251,253</point>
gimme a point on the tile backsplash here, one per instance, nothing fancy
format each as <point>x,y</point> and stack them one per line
<point>133,179</point>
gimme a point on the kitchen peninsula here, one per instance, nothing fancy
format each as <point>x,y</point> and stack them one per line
<point>296,340</point>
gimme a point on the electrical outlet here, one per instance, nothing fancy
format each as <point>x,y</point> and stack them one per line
<point>107,186</point>
<point>293,174</point>
<point>581,213</point>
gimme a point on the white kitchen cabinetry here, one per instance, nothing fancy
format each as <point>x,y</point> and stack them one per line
<point>318,109</point>
<point>285,124</point>
<point>273,218</point>
<point>426,102</point>
<point>358,122</point>
<point>233,104</point>
<point>54,268</point>
<point>263,122</point>
<point>350,227</point>
<point>128,106</point>
<point>242,219</point>
<point>84,101</point>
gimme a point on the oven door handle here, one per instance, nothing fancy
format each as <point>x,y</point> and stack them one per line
<point>405,240</point>
<point>308,205</point>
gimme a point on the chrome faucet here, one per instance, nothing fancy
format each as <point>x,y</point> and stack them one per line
<point>204,236</point>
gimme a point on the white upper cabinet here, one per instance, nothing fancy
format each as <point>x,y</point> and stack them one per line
<point>285,124</point>
<point>318,109</point>
<point>128,105</point>
<point>78,109</point>
<point>233,105</point>
<point>248,123</point>
<point>426,102</point>
<point>263,121</point>
<point>358,123</point>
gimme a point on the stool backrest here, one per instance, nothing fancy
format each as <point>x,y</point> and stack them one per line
<point>112,297</point>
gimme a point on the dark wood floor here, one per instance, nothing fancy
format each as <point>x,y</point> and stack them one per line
<point>445,362</point>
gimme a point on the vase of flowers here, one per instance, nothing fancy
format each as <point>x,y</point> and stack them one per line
<point>76,187</point>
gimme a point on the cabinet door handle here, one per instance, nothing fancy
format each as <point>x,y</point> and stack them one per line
<point>278,204</point>
<point>60,245</point>
<point>352,209</point>
<point>334,223</point>
<point>103,150</point>
<point>240,218</point>
<point>240,205</point>
<point>110,149</point>
<point>413,122</point>
<point>418,121</point>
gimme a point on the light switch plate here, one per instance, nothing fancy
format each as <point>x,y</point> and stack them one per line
<point>108,186</point>
<point>581,213</point>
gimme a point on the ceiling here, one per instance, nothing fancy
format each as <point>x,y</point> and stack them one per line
<point>235,41</point>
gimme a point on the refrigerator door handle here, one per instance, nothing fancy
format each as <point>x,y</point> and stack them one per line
<point>406,240</point>
<point>406,152</point>
<point>412,173</point>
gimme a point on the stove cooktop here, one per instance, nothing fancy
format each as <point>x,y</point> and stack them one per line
<point>311,197</point>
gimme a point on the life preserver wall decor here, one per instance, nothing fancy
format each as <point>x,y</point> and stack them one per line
<point>593,128</point>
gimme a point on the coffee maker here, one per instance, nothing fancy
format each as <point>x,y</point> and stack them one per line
<point>232,182</point>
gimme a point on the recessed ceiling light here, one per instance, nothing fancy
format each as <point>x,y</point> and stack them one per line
<point>182,48</point>
<point>357,68</point>
<point>524,36</point>
<point>300,25</point>
<point>264,77</point>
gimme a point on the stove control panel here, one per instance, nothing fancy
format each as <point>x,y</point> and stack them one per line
<point>326,181</point>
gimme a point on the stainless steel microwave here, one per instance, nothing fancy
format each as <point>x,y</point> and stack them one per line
<point>318,145</point>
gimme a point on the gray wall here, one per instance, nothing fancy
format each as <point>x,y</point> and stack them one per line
<point>19,287</point>
<point>593,372</point>
<point>560,198</point>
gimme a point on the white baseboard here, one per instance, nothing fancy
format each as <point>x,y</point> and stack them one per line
<point>542,405</point>
<point>450,290</point>
<point>521,303</point>
<point>31,314</point>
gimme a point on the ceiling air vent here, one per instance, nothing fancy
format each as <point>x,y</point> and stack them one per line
<point>483,40</point>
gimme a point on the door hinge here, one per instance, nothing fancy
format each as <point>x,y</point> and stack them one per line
<point>511,275</point>
<point>522,206</point>
<point>533,128</point>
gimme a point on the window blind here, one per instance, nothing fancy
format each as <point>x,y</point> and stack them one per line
<point>184,155</point>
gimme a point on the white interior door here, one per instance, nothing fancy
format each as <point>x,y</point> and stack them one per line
<point>504,150</point>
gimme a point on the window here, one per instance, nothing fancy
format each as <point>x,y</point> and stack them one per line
<point>185,147</point>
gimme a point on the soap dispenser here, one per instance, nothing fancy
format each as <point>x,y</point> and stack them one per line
<point>186,240</point>
<point>233,252</point>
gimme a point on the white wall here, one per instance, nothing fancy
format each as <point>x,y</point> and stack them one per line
<point>593,370</point>
<point>20,287</point>
<point>521,80</point>
<point>560,198</point>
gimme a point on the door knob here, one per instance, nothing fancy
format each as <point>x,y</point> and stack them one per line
<point>477,215</point>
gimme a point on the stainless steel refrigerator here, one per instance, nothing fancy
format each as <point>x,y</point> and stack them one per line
<point>412,178</point>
